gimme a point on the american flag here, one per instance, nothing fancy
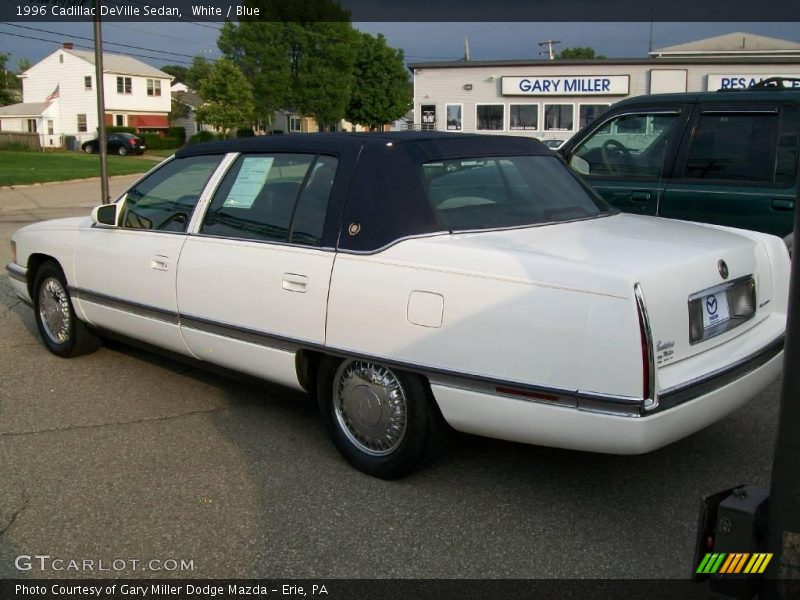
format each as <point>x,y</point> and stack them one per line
<point>54,95</point>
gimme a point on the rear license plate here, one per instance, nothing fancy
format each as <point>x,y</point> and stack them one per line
<point>715,309</point>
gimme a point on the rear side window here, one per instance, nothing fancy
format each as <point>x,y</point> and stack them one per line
<point>482,193</point>
<point>273,197</point>
<point>786,167</point>
<point>734,146</point>
<point>166,198</point>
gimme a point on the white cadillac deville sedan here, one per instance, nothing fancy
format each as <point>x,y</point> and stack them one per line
<point>416,280</point>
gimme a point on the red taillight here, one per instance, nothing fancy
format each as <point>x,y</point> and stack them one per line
<point>133,142</point>
<point>646,344</point>
<point>645,358</point>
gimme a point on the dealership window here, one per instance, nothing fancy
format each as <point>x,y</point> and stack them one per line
<point>119,120</point>
<point>628,145</point>
<point>124,85</point>
<point>454,117</point>
<point>523,117</point>
<point>490,117</point>
<point>558,117</point>
<point>589,112</point>
<point>82,128</point>
<point>87,83</point>
<point>49,126</point>
<point>734,146</point>
<point>153,87</point>
<point>428,115</point>
<point>31,125</point>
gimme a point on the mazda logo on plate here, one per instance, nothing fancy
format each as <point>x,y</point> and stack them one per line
<point>723,268</point>
<point>711,305</point>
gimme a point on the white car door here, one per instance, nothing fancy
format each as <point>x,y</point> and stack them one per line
<point>125,275</point>
<point>253,281</point>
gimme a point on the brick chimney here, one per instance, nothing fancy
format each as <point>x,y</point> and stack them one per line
<point>68,45</point>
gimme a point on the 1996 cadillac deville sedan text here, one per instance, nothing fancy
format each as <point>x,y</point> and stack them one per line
<point>417,280</point>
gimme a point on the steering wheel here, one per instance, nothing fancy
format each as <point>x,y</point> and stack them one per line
<point>176,219</point>
<point>615,155</point>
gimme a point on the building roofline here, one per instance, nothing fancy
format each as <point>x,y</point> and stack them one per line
<point>554,64</point>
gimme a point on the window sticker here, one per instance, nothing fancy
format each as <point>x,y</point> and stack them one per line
<point>249,181</point>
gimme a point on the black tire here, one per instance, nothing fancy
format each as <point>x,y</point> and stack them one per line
<point>424,433</point>
<point>77,338</point>
<point>122,151</point>
<point>89,149</point>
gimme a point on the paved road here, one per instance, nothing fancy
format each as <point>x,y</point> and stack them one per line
<point>126,455</point>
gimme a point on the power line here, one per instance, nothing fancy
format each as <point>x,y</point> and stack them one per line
<point>169,37</point>
<point>30,37</point>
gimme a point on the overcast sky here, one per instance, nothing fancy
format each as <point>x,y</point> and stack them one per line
<point>165,43</point>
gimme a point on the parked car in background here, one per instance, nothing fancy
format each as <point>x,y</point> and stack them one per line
<point>117,143</point>
<point>728,157</point>
<point>415,281</point>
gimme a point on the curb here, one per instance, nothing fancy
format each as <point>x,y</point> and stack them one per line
<point>46,183</point>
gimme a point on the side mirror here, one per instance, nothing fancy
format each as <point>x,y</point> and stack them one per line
<point>105,215</point>
<point>581,165</point>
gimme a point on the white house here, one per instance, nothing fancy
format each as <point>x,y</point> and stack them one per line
<point>59,96</point>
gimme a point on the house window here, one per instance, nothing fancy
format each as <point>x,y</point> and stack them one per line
<point>294,124</point>
<point>31,125</point>
<point>558,117</point>
<point>523,117</point>
<point>153,87</point>
<point>82,128</point>
<point>124,85</point>
<point>61,58</point>
<point>490,117</point>
<point>119,120</point>
<point>49,126</point>
<point>87,83</point>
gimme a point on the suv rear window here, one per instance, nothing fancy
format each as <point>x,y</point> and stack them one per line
<point>483,193</point>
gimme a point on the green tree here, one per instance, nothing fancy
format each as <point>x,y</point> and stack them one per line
<point>23,64</point>
<point>383,93</point>
<point>227,97</point>
<point>8,82</point>
<point>585,52</point>
<point>179,72</point>
<point>197,73</point>
<point>298,54</point>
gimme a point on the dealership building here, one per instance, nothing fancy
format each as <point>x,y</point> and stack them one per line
<point>553,99</point>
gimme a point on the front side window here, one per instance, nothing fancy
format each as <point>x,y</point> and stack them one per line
<point>490,117</point>
<point>558,117</point>
<point>278,197</point>
<point>734,146</point>
<point>165,200</point>
<point>82,128</point>
<point>483,193</point>
<point>124,85</point>
<point>153,87</point>
<point>628,145</point>
<point>524,117</point>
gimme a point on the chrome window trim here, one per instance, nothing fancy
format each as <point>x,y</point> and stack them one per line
<point>208,192</point>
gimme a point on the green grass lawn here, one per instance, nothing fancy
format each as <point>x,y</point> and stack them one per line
<point>19,168</point>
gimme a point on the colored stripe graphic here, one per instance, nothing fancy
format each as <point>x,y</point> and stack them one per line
<point>734,563</point>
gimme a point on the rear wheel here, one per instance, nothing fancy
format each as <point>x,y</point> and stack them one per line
<point>88,149</point>
<point>62,332</point>
<point>122,151</point>
<point>384,421</point>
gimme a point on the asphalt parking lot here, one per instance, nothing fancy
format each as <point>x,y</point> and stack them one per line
<point>127,455</point>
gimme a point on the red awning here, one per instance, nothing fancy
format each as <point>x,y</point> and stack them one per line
<point>156,121</point>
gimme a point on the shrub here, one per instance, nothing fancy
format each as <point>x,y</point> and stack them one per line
<point>157,142</point>
<point>177,132</point>
<point>202,136</point>
<point>112,129</point>
<point>245,132</point>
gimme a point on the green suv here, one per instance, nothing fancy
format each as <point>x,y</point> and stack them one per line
<point>727,157</point>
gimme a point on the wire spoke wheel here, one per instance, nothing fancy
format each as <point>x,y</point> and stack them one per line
<point>54,311</point>
<point>370,406</point>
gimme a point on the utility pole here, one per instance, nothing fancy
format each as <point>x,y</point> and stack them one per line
<point>101,104</point>
<point>549,52</point>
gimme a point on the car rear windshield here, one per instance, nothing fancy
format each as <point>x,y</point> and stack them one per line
<point>491,192</point>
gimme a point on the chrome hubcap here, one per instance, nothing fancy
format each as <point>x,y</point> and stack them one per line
<point>54,310</point>
<point>371,407</point>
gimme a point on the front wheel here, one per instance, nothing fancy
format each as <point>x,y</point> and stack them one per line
<point>122,151</point>
<point>385,422</point>
<point>88,149</point>
<point>62,333</point>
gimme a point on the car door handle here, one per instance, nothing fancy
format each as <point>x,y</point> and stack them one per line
<point>782,204</point>
<point>293,282</point>
<point>159,262</point>
<point>640,196</point>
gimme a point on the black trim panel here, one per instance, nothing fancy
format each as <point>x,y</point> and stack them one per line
<point>677,395</point>
<point>18,274</point>
<point>135,308</point>
<point>247,335</point>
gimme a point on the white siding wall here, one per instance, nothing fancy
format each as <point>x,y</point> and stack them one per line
<point>442,86</point>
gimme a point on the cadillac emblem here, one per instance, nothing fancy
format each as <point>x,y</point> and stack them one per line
<point>723,268</point>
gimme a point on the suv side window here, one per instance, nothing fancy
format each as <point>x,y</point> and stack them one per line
<point>165,199</point>
<point>276,197</point>
<point>786,167</point>
<point>740,146</point>
<point>630,145</point>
